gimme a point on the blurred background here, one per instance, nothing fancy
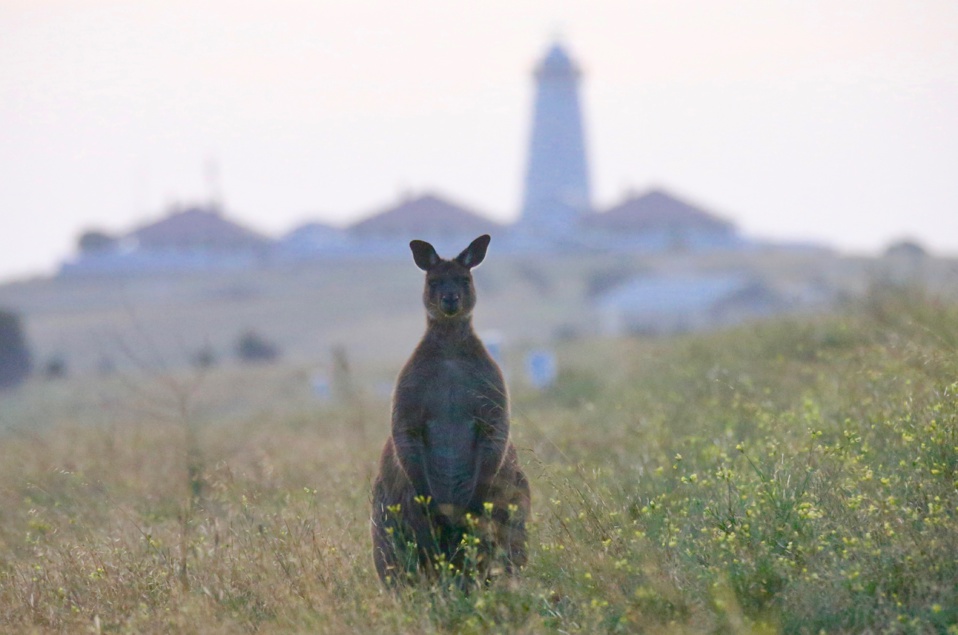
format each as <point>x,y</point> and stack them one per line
<point>190,186</point>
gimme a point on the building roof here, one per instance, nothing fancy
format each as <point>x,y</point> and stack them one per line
<point>669,303</point>
<point>311,230</point>
<point>427,215</point>
<point>657,210</point>
<point>906,248</point>
<point>196,228</point>
<point>672,293</point>
<point>313,238</point>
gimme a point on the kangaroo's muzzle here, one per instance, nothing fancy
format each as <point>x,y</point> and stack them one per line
<point>450,304</point>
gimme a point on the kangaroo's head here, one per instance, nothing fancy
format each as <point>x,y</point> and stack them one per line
<point>449,292</point>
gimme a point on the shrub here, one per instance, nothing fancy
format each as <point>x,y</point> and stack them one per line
<point>94,241</point>
<point>55,367</point>
<point>253,347</point>
<point>203,358</point>
<point>15,362</point>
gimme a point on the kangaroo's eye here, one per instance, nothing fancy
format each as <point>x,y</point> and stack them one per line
<point>463,281</point>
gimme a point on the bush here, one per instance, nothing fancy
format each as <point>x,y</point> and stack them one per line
<point>55,367</point>
<point>253,347</point>
<point>15,362</point>
<point>95,241</point>
<point>204,358</point>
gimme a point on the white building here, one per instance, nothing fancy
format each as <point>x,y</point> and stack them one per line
<point>662,304</point>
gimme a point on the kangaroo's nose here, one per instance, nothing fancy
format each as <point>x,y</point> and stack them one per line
<point>449,303</point>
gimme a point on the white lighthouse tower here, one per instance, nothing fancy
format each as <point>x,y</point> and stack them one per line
<point>557,177</point>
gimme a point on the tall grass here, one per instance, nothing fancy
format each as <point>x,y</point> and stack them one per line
<point>797,477</point>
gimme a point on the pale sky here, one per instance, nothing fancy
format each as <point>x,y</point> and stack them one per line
<point>834,121</point>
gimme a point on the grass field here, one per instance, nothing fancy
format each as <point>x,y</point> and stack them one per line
<point>370,308</point>
<point>799,477</point>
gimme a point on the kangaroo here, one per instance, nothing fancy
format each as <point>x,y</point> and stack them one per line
<point>448,471</point>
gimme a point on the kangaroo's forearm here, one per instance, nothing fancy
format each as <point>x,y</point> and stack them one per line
<point>411,455</point>
<point>489,457</point>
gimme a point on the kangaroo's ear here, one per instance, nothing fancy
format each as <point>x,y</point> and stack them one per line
<point>424,254</point>
<point>472,255</point>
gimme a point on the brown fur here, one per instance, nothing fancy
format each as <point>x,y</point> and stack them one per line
<point>448,469</point>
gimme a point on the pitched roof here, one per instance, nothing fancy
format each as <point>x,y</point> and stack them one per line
<point>311,230</point>
<point>672,293</point>
<point>426,215</point>
<point>657,210</point>
<point>311,237</point>
<point>197,228</point>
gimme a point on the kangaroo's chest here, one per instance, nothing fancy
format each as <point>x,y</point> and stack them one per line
<point>451,388</point>
<point>451,404</point>
<point>452,393</point>
<point>451,408</point>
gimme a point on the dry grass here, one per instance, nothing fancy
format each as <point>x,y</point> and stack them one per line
<point>797,477</point>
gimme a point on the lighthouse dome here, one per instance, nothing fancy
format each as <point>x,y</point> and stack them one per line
<point>556,63</point>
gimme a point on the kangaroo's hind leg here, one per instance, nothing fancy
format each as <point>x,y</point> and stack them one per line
<point>397,523</point>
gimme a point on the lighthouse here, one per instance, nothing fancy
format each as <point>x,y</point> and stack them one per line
<point>556,194</point>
